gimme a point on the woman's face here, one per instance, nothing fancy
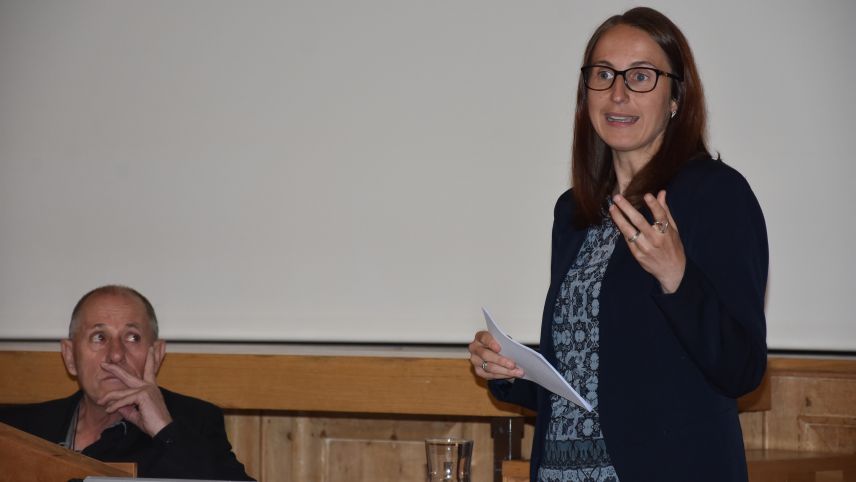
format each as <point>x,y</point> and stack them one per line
<point>631,123</point>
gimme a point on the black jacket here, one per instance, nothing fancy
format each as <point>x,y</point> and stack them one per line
<point>671,366</point>
<point>194,445</point>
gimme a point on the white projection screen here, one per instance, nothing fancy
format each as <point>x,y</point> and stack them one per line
<point>377,170</point>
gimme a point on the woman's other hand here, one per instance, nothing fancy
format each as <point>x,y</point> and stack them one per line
<point>488,363</point>
<point>657,247</point>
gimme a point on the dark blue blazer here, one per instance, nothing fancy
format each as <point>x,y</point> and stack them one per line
<point>672,366</point>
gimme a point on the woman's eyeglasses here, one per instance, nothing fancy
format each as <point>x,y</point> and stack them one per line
<point>637,79</point>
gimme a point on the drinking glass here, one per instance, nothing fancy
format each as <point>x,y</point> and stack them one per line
<point>448,459</point>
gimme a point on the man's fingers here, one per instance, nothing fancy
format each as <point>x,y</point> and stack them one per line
<point>130,413</point>
<point>125,401</point>
<point>122,374</point>
<point>149,370</point>
<point>114,395</point>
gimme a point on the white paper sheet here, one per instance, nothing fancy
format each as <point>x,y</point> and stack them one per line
<point>535,366</point>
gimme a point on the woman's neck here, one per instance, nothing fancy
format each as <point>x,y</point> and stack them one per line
<point>626,167</point>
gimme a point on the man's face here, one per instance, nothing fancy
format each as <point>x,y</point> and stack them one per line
<point>112,328</point>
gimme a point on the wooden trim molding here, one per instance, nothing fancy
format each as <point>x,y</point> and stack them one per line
<point>343,384</point>
<point>828,367</point>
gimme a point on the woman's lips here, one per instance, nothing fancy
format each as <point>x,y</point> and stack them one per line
<point>621,119</point>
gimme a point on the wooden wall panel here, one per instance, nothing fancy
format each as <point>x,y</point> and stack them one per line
<point>245,434</point>
<point>294,446</point>
<point>354,459</point>
<point>393,449</point>
<point>378,436</point>
<point>812,412</point>
<point>754,433</point>
<point>828,433</point>
<point>282,457</point>
<point>811,408</point>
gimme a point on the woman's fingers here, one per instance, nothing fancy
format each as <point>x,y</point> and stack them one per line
<point>622,214</point>
<point>488,363</point>
<point>657,247</point>
<point>487,340</point>
<point>634,216</point>
<point>661,199</point>
<point>663,220</point>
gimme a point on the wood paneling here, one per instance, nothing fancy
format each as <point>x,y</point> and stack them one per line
<point>356,384</point>
<point>789,465</point>
<point>298,446</point>
<point>754,433</point>
<point>812,410</point>
<point>515,471</point>
<point>357,418</point>
<point>244,429</point>
<point>33,376</point>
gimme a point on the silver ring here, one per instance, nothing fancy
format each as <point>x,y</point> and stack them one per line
<point>484,365</point>
<point>661,226</point>
<point>634,237</point>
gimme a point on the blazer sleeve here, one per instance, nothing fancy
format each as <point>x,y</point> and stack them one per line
<point>717,312</point>
<point>520,392</point>
<point>196,446</point>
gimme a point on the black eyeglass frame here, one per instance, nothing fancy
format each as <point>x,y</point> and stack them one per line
<point>623,75</point>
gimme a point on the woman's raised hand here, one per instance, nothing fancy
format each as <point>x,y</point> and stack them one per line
<point>657,247</point>
<point>488,363</point>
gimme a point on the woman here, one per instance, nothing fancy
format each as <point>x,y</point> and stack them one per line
<point>655,311</point>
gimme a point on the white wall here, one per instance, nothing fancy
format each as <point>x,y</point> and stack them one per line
<point>377,170</point>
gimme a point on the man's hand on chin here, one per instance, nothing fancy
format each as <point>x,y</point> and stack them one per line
<point>141,403</point>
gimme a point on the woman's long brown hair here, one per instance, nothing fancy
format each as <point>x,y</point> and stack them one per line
<point>592,172</point>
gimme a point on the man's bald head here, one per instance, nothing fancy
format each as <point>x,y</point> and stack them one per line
<point>115,290</point>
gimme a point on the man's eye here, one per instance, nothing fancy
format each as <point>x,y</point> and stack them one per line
<point>97,338</point>
<point>133,337</point>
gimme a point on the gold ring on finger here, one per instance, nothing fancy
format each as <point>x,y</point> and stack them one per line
<point>634,237</point>
<point>484,365</point>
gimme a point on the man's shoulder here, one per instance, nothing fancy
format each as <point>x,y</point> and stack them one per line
<point>53,406</point>
<point>187,405</point>
<point>47,419</point>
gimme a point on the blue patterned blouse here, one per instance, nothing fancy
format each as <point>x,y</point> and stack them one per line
<point>575,450</point>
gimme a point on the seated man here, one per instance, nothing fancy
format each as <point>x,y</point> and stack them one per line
<point>120,414</point>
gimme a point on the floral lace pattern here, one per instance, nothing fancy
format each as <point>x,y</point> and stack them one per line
<point>575,450</point>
